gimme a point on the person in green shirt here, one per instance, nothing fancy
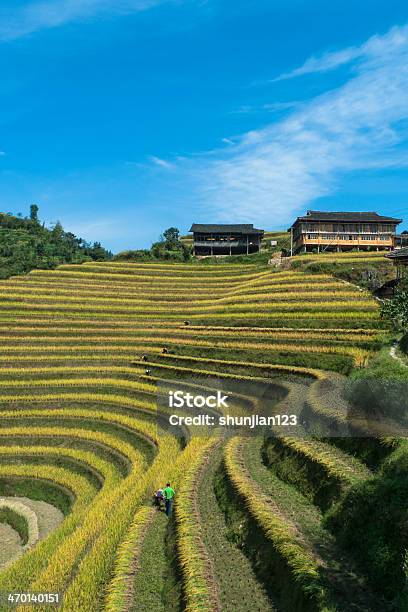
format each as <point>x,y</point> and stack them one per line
<point>168,494</point>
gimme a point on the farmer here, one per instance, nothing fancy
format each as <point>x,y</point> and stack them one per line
<point>158,498</point>
<point>169,494</point>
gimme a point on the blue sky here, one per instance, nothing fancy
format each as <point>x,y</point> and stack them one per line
<point>122,117</point>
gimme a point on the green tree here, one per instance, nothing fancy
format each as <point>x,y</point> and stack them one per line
<point>171,237</point>
<point>57,232</point>
<point>34,213</point>
<point>97,252</point>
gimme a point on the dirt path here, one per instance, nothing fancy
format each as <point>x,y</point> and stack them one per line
<point>394,355</point>
<point>48,518</point>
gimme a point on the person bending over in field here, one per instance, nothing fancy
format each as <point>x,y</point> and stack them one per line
<point>158,498</point>
<point>169,494</point>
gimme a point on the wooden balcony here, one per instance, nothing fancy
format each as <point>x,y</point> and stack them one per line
<point>219,243</point>
<point>340,242</point>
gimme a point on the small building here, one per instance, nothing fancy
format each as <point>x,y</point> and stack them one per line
<point>343,231</point>
<point>400,259</point>
<point>401,240</point>
<point>226,239</point>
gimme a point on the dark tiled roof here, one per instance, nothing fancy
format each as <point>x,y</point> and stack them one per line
<point>351,217</point>
<point>398,254</point>
<point>243,228</point>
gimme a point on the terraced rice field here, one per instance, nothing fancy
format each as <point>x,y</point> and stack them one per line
<point>82,350</point>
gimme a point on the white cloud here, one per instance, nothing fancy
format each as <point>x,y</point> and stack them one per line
<point>162,163</point>
<point>38,15</point>
<point>274,172</point>
<point>272,107</point>
<point>324,63</point>
<point>393,40</point>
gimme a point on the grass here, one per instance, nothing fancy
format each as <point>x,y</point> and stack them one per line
<point>341,588</point>
<point>199,587</point>
<point>37,489</point>
<point>322,473</point>
<point>237,584</point>
<point>83,462</point>
<point>155,583</point>
<point>121,592</point>
<point>289,560</point>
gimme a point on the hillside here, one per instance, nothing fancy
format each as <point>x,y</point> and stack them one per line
<point>26,244</point>
<point>257,520</point>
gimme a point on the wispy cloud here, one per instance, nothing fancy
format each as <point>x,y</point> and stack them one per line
<point>395,38</point>
<point>39,15</point>
<point>274,172</point>
<point>324,63</point>
<point>271,107</point>
<point>162,163</point>
<point>279,106</point>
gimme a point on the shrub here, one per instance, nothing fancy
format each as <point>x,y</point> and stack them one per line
<point>139,255</point>
<point>372,523</point>
<point>396,309</point>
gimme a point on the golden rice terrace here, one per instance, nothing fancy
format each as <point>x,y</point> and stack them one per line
<point>82,448</point>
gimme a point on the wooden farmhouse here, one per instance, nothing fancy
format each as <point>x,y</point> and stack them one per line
<point>343,231</point>
<point>400,259</point>
<point>226,239</point>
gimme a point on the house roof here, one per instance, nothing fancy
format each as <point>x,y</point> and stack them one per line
<point>398,254</point>
<point>351,217</point>
<point>238,228</point>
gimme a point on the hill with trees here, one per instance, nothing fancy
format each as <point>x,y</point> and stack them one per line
<point>26,244</point>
